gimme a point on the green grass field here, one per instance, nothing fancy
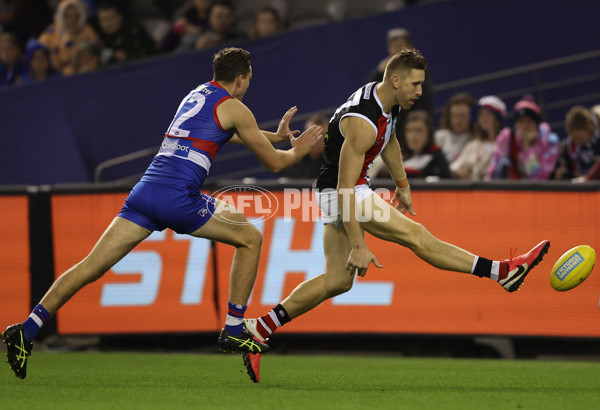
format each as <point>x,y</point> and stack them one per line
<point>218,381</point>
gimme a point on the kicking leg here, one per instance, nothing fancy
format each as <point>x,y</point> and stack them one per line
<point>393,226</point>
<point>404,231</point>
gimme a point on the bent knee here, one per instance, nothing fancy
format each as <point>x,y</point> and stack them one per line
<point>251,237</point>
<point>339,286</point>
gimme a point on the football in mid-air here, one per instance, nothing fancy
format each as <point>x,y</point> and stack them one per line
<point>573,267</point>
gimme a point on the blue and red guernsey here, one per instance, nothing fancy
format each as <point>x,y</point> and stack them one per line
<point>193,138</point>
<point>364,104</point>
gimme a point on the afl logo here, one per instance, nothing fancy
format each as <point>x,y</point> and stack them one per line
<point>256,203</point>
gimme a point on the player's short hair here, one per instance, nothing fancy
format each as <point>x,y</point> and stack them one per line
<point>405,60</point>
<point>231,62</point>
<point>579,118</point>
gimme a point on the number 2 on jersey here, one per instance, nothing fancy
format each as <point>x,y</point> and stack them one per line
<point>188,108</point>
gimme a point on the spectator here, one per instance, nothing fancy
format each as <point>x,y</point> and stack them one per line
<point>596,112</point>
<point>267,22</point>
<point>476,155</point>
<point>12,65</point>
<point>397,39</point>
<point>527,152</point>
<point>39,67</point>
<point>87,57</point>
<point>67,33</point>
<point>579,158</point>
<point>122,40</point>
<point>456,126</point>
<point>26,18</point>
<point>220,27</point>
<point>309,165</point>
<point>193,23</point>
<point>422,157</point>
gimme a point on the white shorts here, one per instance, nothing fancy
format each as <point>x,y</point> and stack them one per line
<point>328,202</point>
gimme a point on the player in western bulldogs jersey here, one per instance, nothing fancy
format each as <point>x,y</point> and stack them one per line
<point>168,196</point>
<point>359,131</point>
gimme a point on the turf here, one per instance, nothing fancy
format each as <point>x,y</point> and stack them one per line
<point>202,381</point>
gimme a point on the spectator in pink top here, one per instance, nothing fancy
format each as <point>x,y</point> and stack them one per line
<point>529,151</point>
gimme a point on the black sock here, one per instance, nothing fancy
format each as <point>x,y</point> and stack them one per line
<point>483,267</point>
<point>282,315</point>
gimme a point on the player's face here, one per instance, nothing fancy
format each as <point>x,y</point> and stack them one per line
<point>410,88</point>
<point>243,87</point>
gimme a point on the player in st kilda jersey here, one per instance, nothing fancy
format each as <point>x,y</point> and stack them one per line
<point>364,104</point>
<point>360,130</point>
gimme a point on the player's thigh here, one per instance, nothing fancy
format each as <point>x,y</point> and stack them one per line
<point>336,246</point>
<point>385,222</point>
<point>230,226</point>
<point>118,240</point>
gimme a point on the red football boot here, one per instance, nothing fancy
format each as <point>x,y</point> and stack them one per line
<point>252,363</point>
<point>520,266</point>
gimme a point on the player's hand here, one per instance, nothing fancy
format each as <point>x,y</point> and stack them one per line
<point>403,200</point>
<point>304,143</point>
<point>359,261</point>
<point>283,130</point>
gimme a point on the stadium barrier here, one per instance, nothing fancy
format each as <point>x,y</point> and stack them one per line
<point>177,284</point>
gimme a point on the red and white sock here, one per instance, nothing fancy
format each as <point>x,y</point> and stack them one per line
<point>269,323</point>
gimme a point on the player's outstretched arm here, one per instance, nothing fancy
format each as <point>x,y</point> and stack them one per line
<point>283,131</point>
<point>359,137</point>
<point>392,157</point>
<point>234,114</point>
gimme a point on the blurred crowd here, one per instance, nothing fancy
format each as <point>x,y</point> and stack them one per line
<point>40,39</point>
<point>478,138</point>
